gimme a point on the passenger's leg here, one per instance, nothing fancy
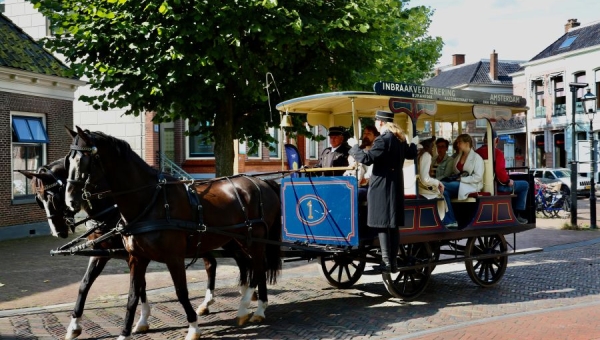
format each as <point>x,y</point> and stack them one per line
<point>521,188</point>
<point>449,218</point>
<point>450,191</point>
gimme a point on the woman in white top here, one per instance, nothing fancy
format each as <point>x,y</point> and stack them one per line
<point>470,165</point>
<point>430,187</point>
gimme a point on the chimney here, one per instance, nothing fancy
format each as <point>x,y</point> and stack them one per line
<point>494,65</point>
<point>458,59</point>
<point>571,23</point>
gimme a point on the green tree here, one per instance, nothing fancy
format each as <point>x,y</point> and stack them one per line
<point>207,61</point>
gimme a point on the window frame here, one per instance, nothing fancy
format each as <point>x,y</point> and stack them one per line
<point>188,151</point>
<point>26,198</point>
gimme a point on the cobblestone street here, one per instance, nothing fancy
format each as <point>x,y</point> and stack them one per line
<point>303,306</point>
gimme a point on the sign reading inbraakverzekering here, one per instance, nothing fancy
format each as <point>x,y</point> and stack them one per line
<point>447,94</point>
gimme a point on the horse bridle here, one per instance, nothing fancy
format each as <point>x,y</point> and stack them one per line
<point>83,175</point>
<point>45,192</point>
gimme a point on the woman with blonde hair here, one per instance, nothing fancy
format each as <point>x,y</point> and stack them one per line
<point>430,187</point>
<point>470,167</point>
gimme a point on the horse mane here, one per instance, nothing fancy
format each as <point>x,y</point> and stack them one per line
<point>123,149</point>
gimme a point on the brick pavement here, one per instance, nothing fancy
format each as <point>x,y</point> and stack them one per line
<point>303,306</point>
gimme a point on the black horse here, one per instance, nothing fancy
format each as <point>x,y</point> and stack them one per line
<point>165,220</point>
<point>48,184</point>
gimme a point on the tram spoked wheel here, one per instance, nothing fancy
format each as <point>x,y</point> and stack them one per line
<point>342,270</point>
<point>408,284</point>
<point>488,271</point>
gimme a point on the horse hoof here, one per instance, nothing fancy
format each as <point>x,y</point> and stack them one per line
<point>202,311</point>
<point>141,329</point>
<point>254,296</point>
<point>72,334</point>
<point>242,320</point>
<point>257,318</point>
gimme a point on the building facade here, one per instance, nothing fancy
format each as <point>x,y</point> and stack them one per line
<point>36,103</point>
<point>487,75</point>
<point>545,82</point>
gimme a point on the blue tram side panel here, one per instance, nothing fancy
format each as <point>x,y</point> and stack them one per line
<point>320,210</point>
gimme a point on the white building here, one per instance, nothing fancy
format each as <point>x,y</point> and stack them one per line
<point>544,82</point>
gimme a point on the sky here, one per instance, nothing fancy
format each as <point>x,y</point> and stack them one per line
<point>516,29</point>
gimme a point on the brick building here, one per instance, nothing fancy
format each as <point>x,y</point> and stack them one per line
<point>36,103</point>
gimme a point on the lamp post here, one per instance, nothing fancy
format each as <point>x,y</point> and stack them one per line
<point>589,103</point>
<point>574,87</point>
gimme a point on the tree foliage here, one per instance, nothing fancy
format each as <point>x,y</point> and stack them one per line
<point>207,61</point>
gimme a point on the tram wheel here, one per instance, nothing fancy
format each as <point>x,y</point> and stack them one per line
<point>488,271</point>
<point>342,270</point>
<point>408,284</point>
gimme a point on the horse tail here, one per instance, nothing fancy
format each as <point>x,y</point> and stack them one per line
<point>273,250</point>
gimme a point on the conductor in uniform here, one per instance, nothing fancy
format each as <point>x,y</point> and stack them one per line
<point>385,196</point>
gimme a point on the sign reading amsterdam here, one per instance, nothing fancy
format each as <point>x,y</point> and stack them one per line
<point>447,94</point>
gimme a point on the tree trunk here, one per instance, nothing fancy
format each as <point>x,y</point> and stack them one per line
<point>223,133</point>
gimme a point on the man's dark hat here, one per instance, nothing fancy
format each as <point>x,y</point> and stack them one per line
<point>384,116</point>
<point>336,130</point>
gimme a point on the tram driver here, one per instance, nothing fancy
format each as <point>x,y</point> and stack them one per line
<point>336,155</point>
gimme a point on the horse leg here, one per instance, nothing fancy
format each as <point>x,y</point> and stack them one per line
<point>137,288</point>
<point>263,303</point>
<point>94,269</point>
<point>210,264</point>
<point>177,270</point>
<point>142,325</point>
<point>243,313</point>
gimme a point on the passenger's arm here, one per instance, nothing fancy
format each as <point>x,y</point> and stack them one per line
<point>424,165</point>
<point>500,169</point>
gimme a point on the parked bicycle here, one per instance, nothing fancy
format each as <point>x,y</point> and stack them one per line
<point>552,199</point>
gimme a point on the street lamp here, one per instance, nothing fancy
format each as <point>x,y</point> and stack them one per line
<point>574,87</point>
<point>589,103</point>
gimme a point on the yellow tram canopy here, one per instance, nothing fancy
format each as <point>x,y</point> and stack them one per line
<point>423,102</point>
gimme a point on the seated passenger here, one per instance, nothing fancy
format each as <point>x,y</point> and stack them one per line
<point>505,184</point>
<point>337,154</point>
<point>442,165</point>
<point>431,187</point>
<point>364,171</point>
<point>469,165</point>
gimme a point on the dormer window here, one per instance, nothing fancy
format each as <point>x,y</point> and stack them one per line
<point>568,41</point>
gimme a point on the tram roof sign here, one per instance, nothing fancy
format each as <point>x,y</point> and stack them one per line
<point>447,94</point>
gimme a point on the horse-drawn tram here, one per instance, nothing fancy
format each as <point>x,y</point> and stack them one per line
<point>301,215</point>
<point>325,212</point>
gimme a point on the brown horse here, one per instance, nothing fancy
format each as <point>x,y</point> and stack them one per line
<point>165,220</point>
<point>48,184</point>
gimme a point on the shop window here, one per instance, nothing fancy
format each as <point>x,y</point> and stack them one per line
<point>29,137</point>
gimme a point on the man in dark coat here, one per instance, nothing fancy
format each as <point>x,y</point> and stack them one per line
<point>337,154</point>
<point>386,187</point>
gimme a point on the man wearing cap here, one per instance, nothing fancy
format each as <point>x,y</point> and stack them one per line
<point>337,154</point>
<point>385,195</point>
<point>505,184</point>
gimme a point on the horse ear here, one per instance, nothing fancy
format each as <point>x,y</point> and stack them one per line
<point>83,135</point>
<point>28,174</point>
<point>71,132</point>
